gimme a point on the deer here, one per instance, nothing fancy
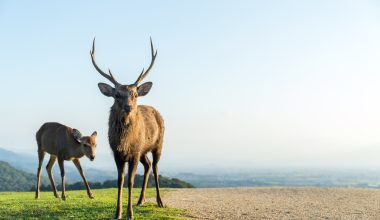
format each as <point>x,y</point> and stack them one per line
<point>133,131</point>
<point>63,143</point>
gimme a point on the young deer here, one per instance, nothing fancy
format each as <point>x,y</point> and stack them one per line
<point>134,130</point>
<point>64,143</point>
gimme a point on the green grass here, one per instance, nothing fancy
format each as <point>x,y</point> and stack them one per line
<point>22,205</point>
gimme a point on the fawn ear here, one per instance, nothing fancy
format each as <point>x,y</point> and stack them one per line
<point>144,88</point>
<point>106,89</point>
<point>77,135</point>
<point>94,134</point>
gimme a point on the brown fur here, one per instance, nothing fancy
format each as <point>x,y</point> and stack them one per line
<point>133,132</point>
<point>131,136</point>
<point>59,141</point>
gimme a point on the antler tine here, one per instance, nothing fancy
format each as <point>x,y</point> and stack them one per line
<point>143,73</point>
<point>110,77</point>
<point>111,74</point>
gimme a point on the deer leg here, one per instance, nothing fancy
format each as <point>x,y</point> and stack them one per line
<point>156,158</point>
<point>62,168</point>
<point>79,167</point>
<point>120,183</point>
<point>41,155</point>
<point>132,167</point>
<point>49,167</point>
<point>146,162</point>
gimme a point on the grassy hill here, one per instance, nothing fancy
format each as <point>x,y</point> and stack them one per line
<point>22,205</point>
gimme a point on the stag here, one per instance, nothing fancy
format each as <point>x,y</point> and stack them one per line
<point>64,143</point>
<point>134,130</point>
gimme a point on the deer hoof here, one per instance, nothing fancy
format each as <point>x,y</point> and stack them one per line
<point>91,196</point>
<point>159,203</point>
<point>64,197</point>
<point>140,202</point>
<point>118,216</point>
<point>130,215</point>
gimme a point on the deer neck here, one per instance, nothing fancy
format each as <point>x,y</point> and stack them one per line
<point>123,119</point>
<point>122,128</point>
<point>78,151</point>
<point>74,151</point>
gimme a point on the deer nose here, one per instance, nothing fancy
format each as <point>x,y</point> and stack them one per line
<point>127,108</point>
<point>92,157</point>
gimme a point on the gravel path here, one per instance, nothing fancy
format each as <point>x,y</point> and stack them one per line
<point>277,203</point>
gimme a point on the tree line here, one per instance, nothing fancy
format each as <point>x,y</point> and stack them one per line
<point>165,182</point>
<point>12,179</point>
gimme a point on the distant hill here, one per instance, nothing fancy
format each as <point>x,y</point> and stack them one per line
<point>358,178</point>
<point>165,182</point>
<point>25,162</point>
<point>12,179</point>
<point>28,163</point>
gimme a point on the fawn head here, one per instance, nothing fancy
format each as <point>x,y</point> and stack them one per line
<point>88,143</point>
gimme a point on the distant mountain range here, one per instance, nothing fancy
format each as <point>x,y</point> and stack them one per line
<point>12,179</point>
<point>28,163</point>
<point>18,173</point>
<point>20,161</point>
<point>209,176</point>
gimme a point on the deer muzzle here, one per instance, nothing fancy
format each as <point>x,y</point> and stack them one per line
<point>92,157</point>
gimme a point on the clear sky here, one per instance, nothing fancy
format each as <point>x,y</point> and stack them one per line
<point>239,83</point>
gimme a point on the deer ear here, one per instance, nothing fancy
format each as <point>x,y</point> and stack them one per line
<point>144,88</point>
<point>106,89</point>
<point>94,134</point>
<point>77,135</point>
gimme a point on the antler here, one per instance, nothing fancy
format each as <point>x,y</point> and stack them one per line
<point>110,77</point>
<point>144,74</point>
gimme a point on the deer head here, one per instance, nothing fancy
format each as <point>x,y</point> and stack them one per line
<point>88,143</point>
<point>125,96</point>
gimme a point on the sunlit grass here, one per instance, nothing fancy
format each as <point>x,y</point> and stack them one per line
<point>22,205</point>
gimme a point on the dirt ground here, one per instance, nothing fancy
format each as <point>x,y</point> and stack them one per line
<point>277,203</point>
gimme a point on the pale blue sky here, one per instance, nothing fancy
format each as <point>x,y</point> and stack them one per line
<point>239,83</point>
